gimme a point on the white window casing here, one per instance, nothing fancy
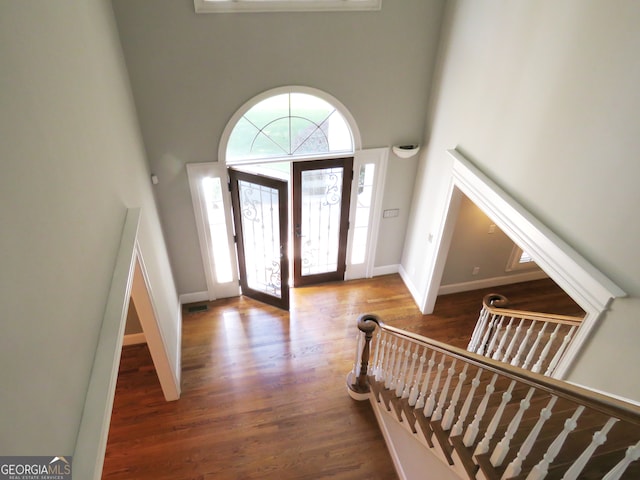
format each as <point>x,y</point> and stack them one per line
<point>239,6</point>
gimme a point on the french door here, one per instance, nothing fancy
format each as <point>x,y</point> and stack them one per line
<point>321,195</point>
<point>260,212</point>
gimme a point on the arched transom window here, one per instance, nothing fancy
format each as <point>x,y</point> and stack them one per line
<point>288,125</point>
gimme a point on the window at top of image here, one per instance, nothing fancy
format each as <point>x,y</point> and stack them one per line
<point>231,6</point>
<point>289,125</point>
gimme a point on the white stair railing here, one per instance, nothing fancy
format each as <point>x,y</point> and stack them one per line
<point>530,340</point>
<point>503,426</point>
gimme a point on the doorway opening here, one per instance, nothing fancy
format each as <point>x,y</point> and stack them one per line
<point>586,285</point>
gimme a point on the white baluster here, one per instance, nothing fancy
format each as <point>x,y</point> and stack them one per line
<point>373,367</point>
<point>437,415</point>
<point>632,454</point>
<point>388,375</point>
<point>466,406</point>
<point>516,360</point>
<point>502,448</point>
<point>425,384</point>
<point>415,389</point>
<point>497,355</point>
<point>431,401</point>
<point>485,339</point>
<point>497,326</point>
<point>483,446</point>
<point>495,336</point>
<point>409,379</point>
<point>532,352</point>
<point>472,430</point>
<point>545,351</point>
<point>556,358</point>
<point>449,415</point>
<point>479,328</point>
<point>513,342</point>
<point>402,376</point>
<point>598,439</point>
<point>384,357</point>
<point>515,467</point>
<point>397,366</point>
<point>542,468</point>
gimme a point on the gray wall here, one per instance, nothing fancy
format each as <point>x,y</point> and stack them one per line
<point>190,73</point>
<point>473,246</point>
<point>72,163</point>
<point>543,96</point>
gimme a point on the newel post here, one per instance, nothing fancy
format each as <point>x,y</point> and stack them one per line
<point>357,381</point>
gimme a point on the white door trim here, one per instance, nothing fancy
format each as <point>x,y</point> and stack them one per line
<point>91,443</point>
<point>379,157</point>
<point>589,287</point>
<point>196,172</point>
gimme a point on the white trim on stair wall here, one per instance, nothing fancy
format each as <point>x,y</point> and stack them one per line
<point>194,297</point>
<point>386,270</point>
<point>490,282</point>
<point>588,287</point>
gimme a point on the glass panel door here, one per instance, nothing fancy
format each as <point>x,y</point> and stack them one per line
<point>321,192</point>
<point>260,218</point>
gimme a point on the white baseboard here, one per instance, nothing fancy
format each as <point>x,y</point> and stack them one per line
<point>194,297</point>
<point>491,282</point>
<point>602,392</point>
<point>413,290</point>
<point>386,270</point>
<point>134,339</point>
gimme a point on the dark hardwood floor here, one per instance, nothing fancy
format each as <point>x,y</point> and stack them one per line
<point>263,391</point>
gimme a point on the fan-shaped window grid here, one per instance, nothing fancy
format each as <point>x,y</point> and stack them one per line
<point>289,125</point>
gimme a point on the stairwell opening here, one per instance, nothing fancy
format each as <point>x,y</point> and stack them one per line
<point>585,284</point>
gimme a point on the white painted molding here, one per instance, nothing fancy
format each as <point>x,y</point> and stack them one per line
<point>608,394</point>
<point>376,210</point>
<point>379,158</point>
<point>386,270</point>
<point>490,282</point>
<point>91,443</point>
<point>194,297</point>
<point>550,252</point>
<point>134,339</point>
<point>588,287</point>
<point>406,278</point>
<point>239,6</point>
<point>196,172</point>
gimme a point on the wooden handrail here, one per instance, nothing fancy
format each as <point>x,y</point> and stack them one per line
<point>601,403</point>
<point>495,302</point>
